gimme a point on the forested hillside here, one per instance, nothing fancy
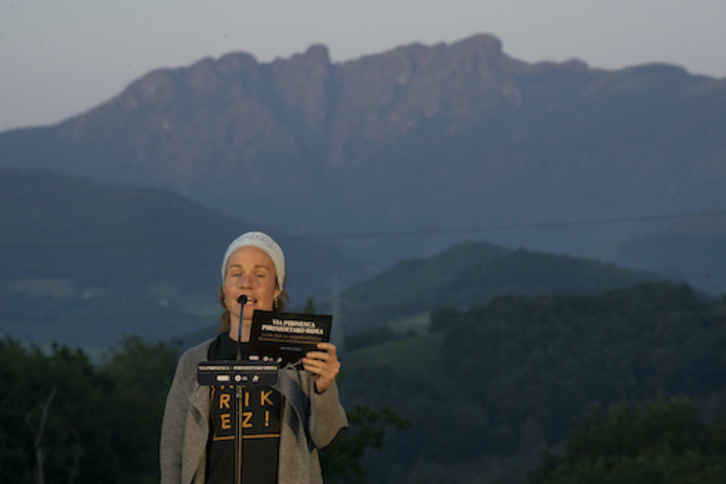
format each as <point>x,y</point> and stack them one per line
<point>490,385</point>
<point>471,273</point>
<point>663,441</point>
<point>483,391</point>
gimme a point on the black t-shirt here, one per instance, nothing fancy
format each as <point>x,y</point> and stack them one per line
<point>262,414</point>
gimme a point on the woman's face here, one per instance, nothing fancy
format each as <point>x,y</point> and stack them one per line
<point>250,272</point>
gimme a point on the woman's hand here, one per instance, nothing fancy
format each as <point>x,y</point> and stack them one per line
<point>323,364</point>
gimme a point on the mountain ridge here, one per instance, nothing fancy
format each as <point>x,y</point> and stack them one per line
<point>419,137</point>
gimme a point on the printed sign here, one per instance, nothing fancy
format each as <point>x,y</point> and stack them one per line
<point>286,337</point>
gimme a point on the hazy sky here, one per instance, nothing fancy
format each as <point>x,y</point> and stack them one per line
<point>59,58</point>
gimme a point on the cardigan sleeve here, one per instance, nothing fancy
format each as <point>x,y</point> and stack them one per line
<point>328,420</point>
<point>176,413</point>
<point>172,429</point>
<point>322,417</point>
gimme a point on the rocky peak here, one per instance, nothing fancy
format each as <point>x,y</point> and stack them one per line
<point>154,87</point>
<point>414,84</point>
<point>304,83</point>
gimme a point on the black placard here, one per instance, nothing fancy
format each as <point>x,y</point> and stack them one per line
<point>286,337</point>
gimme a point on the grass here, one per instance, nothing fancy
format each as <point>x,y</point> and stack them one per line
<point>416,353</point>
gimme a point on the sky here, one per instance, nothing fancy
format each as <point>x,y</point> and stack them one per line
<point>62,58</point>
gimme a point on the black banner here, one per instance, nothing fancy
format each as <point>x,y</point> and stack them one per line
<point>286,337</point>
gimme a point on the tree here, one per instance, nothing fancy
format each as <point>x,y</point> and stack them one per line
<point>141,374</point>
<point>664,443</point>
<point>40,450</point>
<point>62,419</point>
<point>342,463</point>
<point>367,429</point>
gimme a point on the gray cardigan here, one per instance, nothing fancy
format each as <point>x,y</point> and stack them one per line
<point>311,421</point>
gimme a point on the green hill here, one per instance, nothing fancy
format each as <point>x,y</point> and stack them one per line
<point>497,381</point>
<point>468,274</point>
<point>83,263</point>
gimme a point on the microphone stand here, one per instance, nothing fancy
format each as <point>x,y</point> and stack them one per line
<point>240,407</point>
<point>239,373</point>
<point>239,434</point>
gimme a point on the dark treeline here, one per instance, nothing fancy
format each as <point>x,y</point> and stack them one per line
<point>484,392</point>
<point>664,442</point>
<point>490,386</point>
<point>64,420</point>
<point>546,359</point>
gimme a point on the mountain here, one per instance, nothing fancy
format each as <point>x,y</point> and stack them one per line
<point>84,263</point>
<point>468,274</point>
<point>405,152</point>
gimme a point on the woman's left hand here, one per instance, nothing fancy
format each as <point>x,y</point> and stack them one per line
<point>323,364</point>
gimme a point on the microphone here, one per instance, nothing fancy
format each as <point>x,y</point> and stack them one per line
<point>242,300</point>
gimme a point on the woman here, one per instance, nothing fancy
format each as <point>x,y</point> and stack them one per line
<point>284,425</point>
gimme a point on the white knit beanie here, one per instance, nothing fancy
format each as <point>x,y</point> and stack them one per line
<point>264,242</point>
